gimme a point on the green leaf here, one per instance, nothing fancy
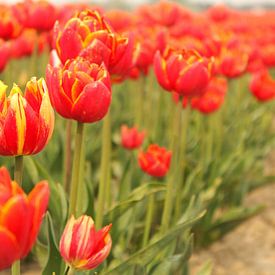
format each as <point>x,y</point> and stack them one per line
<point>148,253</point>
<point>206,269</point>
<point>136,196</point>
<point>54,262</point>
<point>31,169</point>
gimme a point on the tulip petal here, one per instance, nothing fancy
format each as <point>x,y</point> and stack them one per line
<point>9,250</point>
<point>15,216</point>
<point>93,103</point>
<point>38,199</point>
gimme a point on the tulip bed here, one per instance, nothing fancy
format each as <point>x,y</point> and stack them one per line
<point>130,138</point>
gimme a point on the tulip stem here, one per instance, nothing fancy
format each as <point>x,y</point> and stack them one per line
<point>168,202</point>
<point>76,168</point>
<point>18,174</point>
<point>148,220</point>
<point>104,170</point>
<point>67,156</point>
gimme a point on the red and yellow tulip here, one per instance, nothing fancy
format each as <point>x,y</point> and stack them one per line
<point>81,246</point>
<point>26,121</point>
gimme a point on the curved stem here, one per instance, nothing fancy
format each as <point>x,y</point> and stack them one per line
<point>18,174</point>
<point>76,168</point>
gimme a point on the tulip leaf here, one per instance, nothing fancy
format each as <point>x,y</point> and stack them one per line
<point>54,262</point>
<point>136,196</point>
<point>147,254</point>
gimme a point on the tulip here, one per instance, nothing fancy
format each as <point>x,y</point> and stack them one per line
<point>213,97</point>
<point>262,86</point>
<point>9,26</point>
<point>26,121</point>
<point>184,72</point>
<point>81,246</point>
<point>131,138</point>
<point>80,90</point>
<point>89,35</point>
<point>20,218</point>
<point>155,161</point>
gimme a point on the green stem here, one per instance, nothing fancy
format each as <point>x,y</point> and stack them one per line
<point>76,168</point>
<point>148,220</point>
<point>67,156</point>
<point>182,161</point>
<point>104,170</point>
<point>140,102</point>
<point>18,174</point>
<point>169,196</point>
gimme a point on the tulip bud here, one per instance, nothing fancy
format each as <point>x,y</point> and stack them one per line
<point>155,161</point>
<point>26,121</point>
<point>81,246</point>
<point>20,218</point>
<point>131,138</point>
<point>80,90</point>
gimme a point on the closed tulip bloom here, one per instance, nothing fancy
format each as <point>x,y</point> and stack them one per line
<point>262,86</point>
<point>155,161</point>
<point>20,218</point>
<point>26,121</point>
<point>81,246</point>
<point>79,90</point>
<point>131,138</point>
<point>184,72</point>
<point>213,97</point>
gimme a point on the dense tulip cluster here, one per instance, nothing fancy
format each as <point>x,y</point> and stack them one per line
<point>196,56</point>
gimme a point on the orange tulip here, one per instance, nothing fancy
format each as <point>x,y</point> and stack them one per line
<point>81,246</point>
<point>20,218</point>
<point>155,161</point>
<point>26,121</point>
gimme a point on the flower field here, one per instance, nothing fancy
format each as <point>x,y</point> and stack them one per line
<point>130,139</point>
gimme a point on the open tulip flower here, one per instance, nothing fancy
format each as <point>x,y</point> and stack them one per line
<point>81,246</point>
<point>79,90</point>
<point>20,218</point>
<point>131,138</point>
<point>262,86</point>
<point>184,72</point>
<point>26,121</point>
<point>155,161</point>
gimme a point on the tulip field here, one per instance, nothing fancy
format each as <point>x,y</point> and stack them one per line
<point>129,139</point>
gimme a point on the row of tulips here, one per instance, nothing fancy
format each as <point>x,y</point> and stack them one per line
<point>192,162</point>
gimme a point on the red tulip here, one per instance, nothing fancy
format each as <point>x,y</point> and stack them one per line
<point>262,86</point>
<point>80,90</point>
<point>81,246</point>
<point>20,218</point>
<point>184,72</point>
<point>39,15</point>
<point>9,26</point>
<point>213,97</point>
<point>26,121</point>
<point>155,161</point>
<point>131,138</point>
<point>90,35</point>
